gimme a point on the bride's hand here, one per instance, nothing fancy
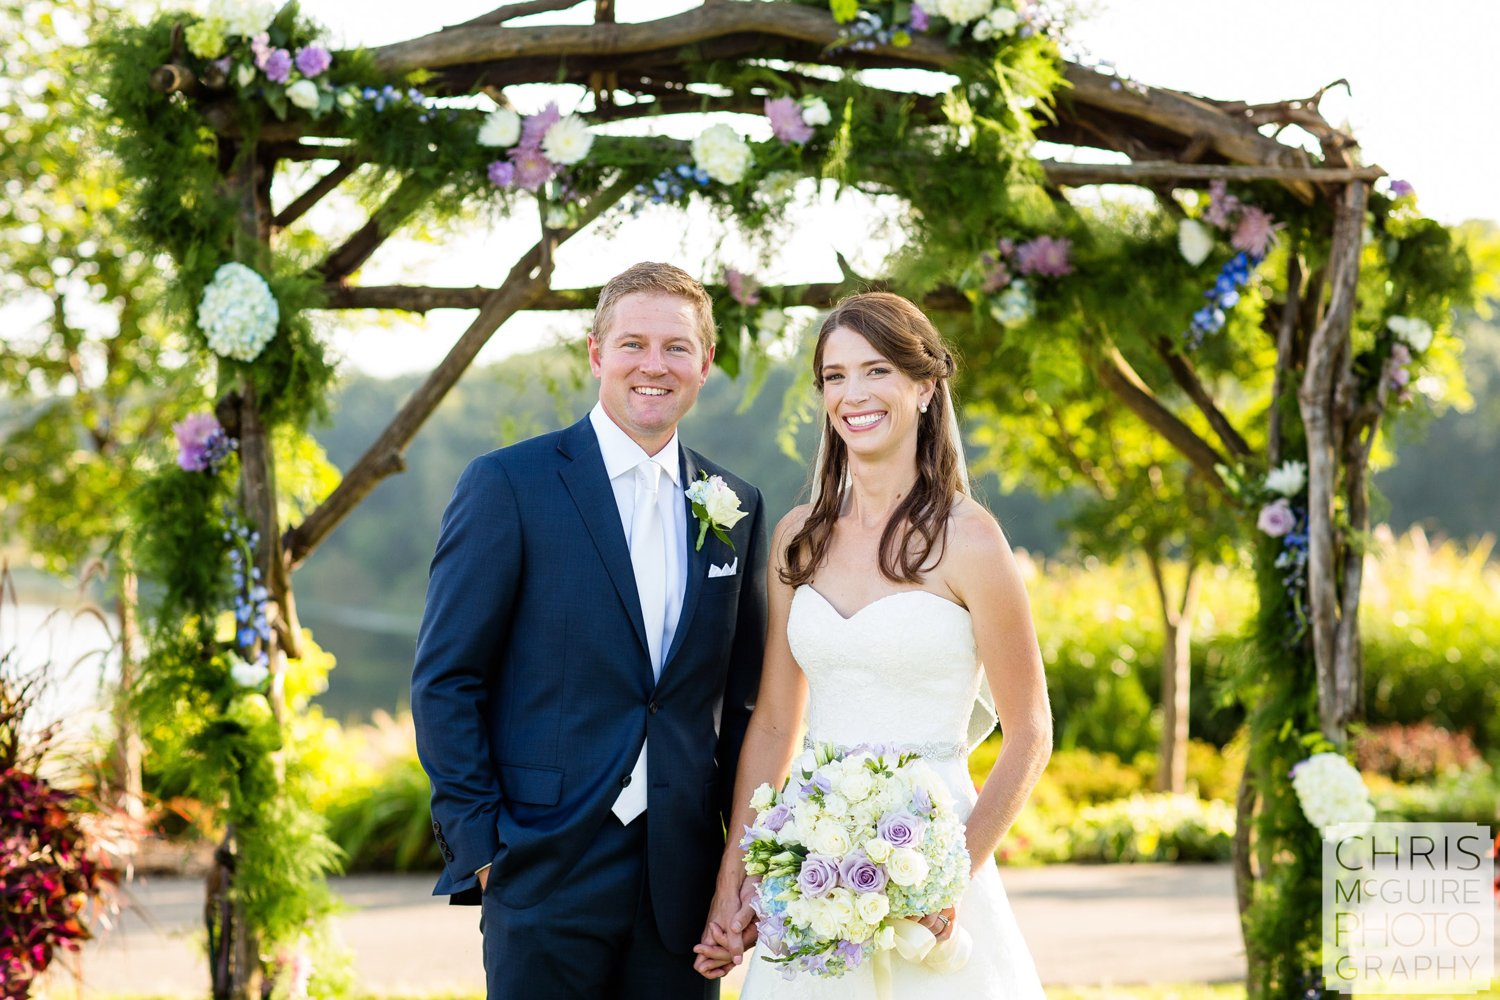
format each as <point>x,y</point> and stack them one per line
<point>730,930</point>
<point>942,923</point>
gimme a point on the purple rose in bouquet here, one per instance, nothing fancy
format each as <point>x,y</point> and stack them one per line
<point>861,874</point>
<point>900,829</point>
<point>819,874</point>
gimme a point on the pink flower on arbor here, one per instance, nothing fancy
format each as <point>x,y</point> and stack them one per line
<point>532,169</point>
<point>194,436</point>
<point>1221,205</point>
<point>786,120</point>
<point>1255,232</point>
<point>742,287</point>
<point>534,127</point>
<point>1046,256</point>
<point>1276,518</point>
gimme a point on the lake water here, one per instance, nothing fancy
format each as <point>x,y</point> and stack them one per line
<point>68,654</point>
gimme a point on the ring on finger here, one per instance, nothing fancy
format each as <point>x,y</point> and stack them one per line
<point>945,921</point>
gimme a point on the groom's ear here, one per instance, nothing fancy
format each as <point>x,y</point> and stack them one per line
<point>708,363</point>
<point>596,364</point>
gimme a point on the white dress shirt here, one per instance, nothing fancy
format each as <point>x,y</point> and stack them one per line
<point>621,456</point>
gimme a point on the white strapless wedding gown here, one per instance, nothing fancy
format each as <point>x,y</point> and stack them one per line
<point>903,670</point>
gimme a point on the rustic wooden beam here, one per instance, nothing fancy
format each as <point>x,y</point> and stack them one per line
<point>528,279</point>
<point>314,194</point>
<point>1286,335</point>
<point>385,220</point>
<point>1129,388</point>
<point>1079,174</point>
<point>1186,376</point>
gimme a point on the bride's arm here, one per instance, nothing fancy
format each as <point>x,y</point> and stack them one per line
<point>765,756</point>
<point>981,570</point>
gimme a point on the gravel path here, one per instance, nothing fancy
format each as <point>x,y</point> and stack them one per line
<point>1086,925</point>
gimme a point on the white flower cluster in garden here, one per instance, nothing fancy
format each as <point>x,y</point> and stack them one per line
<point>852,843</point>
<point>238,314</point>
<point>722,153</point>
<point>1331,791</point>
<point>1288,478</point>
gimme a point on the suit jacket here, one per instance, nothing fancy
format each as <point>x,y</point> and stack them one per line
<point>533,690</point>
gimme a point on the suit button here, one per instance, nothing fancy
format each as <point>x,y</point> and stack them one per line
<point>652,708</point>
<point>625,781</point>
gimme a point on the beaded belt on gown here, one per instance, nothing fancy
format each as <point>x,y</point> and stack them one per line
<point>935,750</point>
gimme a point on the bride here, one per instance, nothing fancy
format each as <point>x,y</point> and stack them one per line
<point>896,608</point>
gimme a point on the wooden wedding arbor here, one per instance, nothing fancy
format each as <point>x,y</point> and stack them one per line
<point>1169,140</point>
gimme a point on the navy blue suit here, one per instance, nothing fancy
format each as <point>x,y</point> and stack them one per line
<point>533,691</point>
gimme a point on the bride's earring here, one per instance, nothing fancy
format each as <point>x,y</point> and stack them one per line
<point>922,408</point>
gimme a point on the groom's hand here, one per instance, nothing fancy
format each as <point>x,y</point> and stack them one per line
<point>730,930</point>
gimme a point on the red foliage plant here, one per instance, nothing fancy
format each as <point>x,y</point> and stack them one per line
<point>1418,752</point>
<point>48,874</point>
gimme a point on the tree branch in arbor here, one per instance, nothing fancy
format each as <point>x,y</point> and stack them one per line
<point>1286,337</point>
<point>512,11</point>
<point>1199,174</point>
<point>1186,377</point>
<point>384,221</point>
<point>314,194</point>
<point>1121,379</point>
<point>527,280</point>
<point>1338,694</point>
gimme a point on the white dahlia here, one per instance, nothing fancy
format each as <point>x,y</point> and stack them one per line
<point>567,141</point>
<point>721,152</point>
<point>502,127</point>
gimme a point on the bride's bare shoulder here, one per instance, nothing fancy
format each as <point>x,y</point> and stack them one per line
<point>792,521</point>
<point>974,533</point>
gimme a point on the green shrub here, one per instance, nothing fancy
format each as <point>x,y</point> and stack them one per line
<point>1468,796</point>
<point>1156,827</point>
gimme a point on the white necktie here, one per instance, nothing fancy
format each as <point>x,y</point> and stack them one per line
<point>648,559</point>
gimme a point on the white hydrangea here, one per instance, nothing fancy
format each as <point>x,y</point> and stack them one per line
<point>778,186</point>
<point>502,127</point>
<point>1331,791</point>
<point>1287,479</point>
<point>1195,240</point>
<point>238,314</point>
<point>244,17</point>
<point>568,141</point>
<point>962,11</point>
<point>722,153</point>
<point>1415,332</point>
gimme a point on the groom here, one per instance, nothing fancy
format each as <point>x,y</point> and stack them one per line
<point>585,669</point>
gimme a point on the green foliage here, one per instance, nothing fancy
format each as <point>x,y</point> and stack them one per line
<point>179,539</point>
<point>1469,795</point>
<point>1155,827</point>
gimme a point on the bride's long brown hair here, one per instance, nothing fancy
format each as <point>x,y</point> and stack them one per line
<point>901,333</point>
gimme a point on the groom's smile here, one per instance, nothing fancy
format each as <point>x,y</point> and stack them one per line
<point>650,364</point>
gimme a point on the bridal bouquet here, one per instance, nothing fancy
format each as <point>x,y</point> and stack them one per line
<point>855,845</point>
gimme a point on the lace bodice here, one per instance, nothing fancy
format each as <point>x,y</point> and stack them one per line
<point>902,669</point>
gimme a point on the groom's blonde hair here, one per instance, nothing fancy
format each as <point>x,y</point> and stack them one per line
<point>659,279</point>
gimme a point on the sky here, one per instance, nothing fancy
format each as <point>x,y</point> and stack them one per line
<point>1421,94</point>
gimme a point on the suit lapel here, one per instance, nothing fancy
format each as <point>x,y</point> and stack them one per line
<point>697,561</point>
<point>588,483</point>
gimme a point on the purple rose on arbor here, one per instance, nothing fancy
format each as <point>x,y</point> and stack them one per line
<point>777,817</point>
<point>786,120</point>
<point>900,829</point>
<point>502,173</point>
<point>312,60</point>
<point>193,435</point>
<point>277,65</point>
<point>1276,518</point>
<point>861,874</point>
<point>819,874</point>
<point>1400,189</point>
<point>919,19</point>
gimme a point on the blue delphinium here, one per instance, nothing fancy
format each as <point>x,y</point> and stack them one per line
<point>1222,297</point>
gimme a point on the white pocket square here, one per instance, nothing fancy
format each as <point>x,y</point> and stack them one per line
<point>728,569</point>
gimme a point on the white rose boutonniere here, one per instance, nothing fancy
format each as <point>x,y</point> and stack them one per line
<point>716,507</point>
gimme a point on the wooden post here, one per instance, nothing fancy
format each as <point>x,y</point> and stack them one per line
<point>1327,350</point>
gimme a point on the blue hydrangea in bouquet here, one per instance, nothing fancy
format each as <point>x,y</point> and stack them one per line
<point>855,845</point>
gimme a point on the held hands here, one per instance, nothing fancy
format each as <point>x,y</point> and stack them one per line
<point>730,930</point>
